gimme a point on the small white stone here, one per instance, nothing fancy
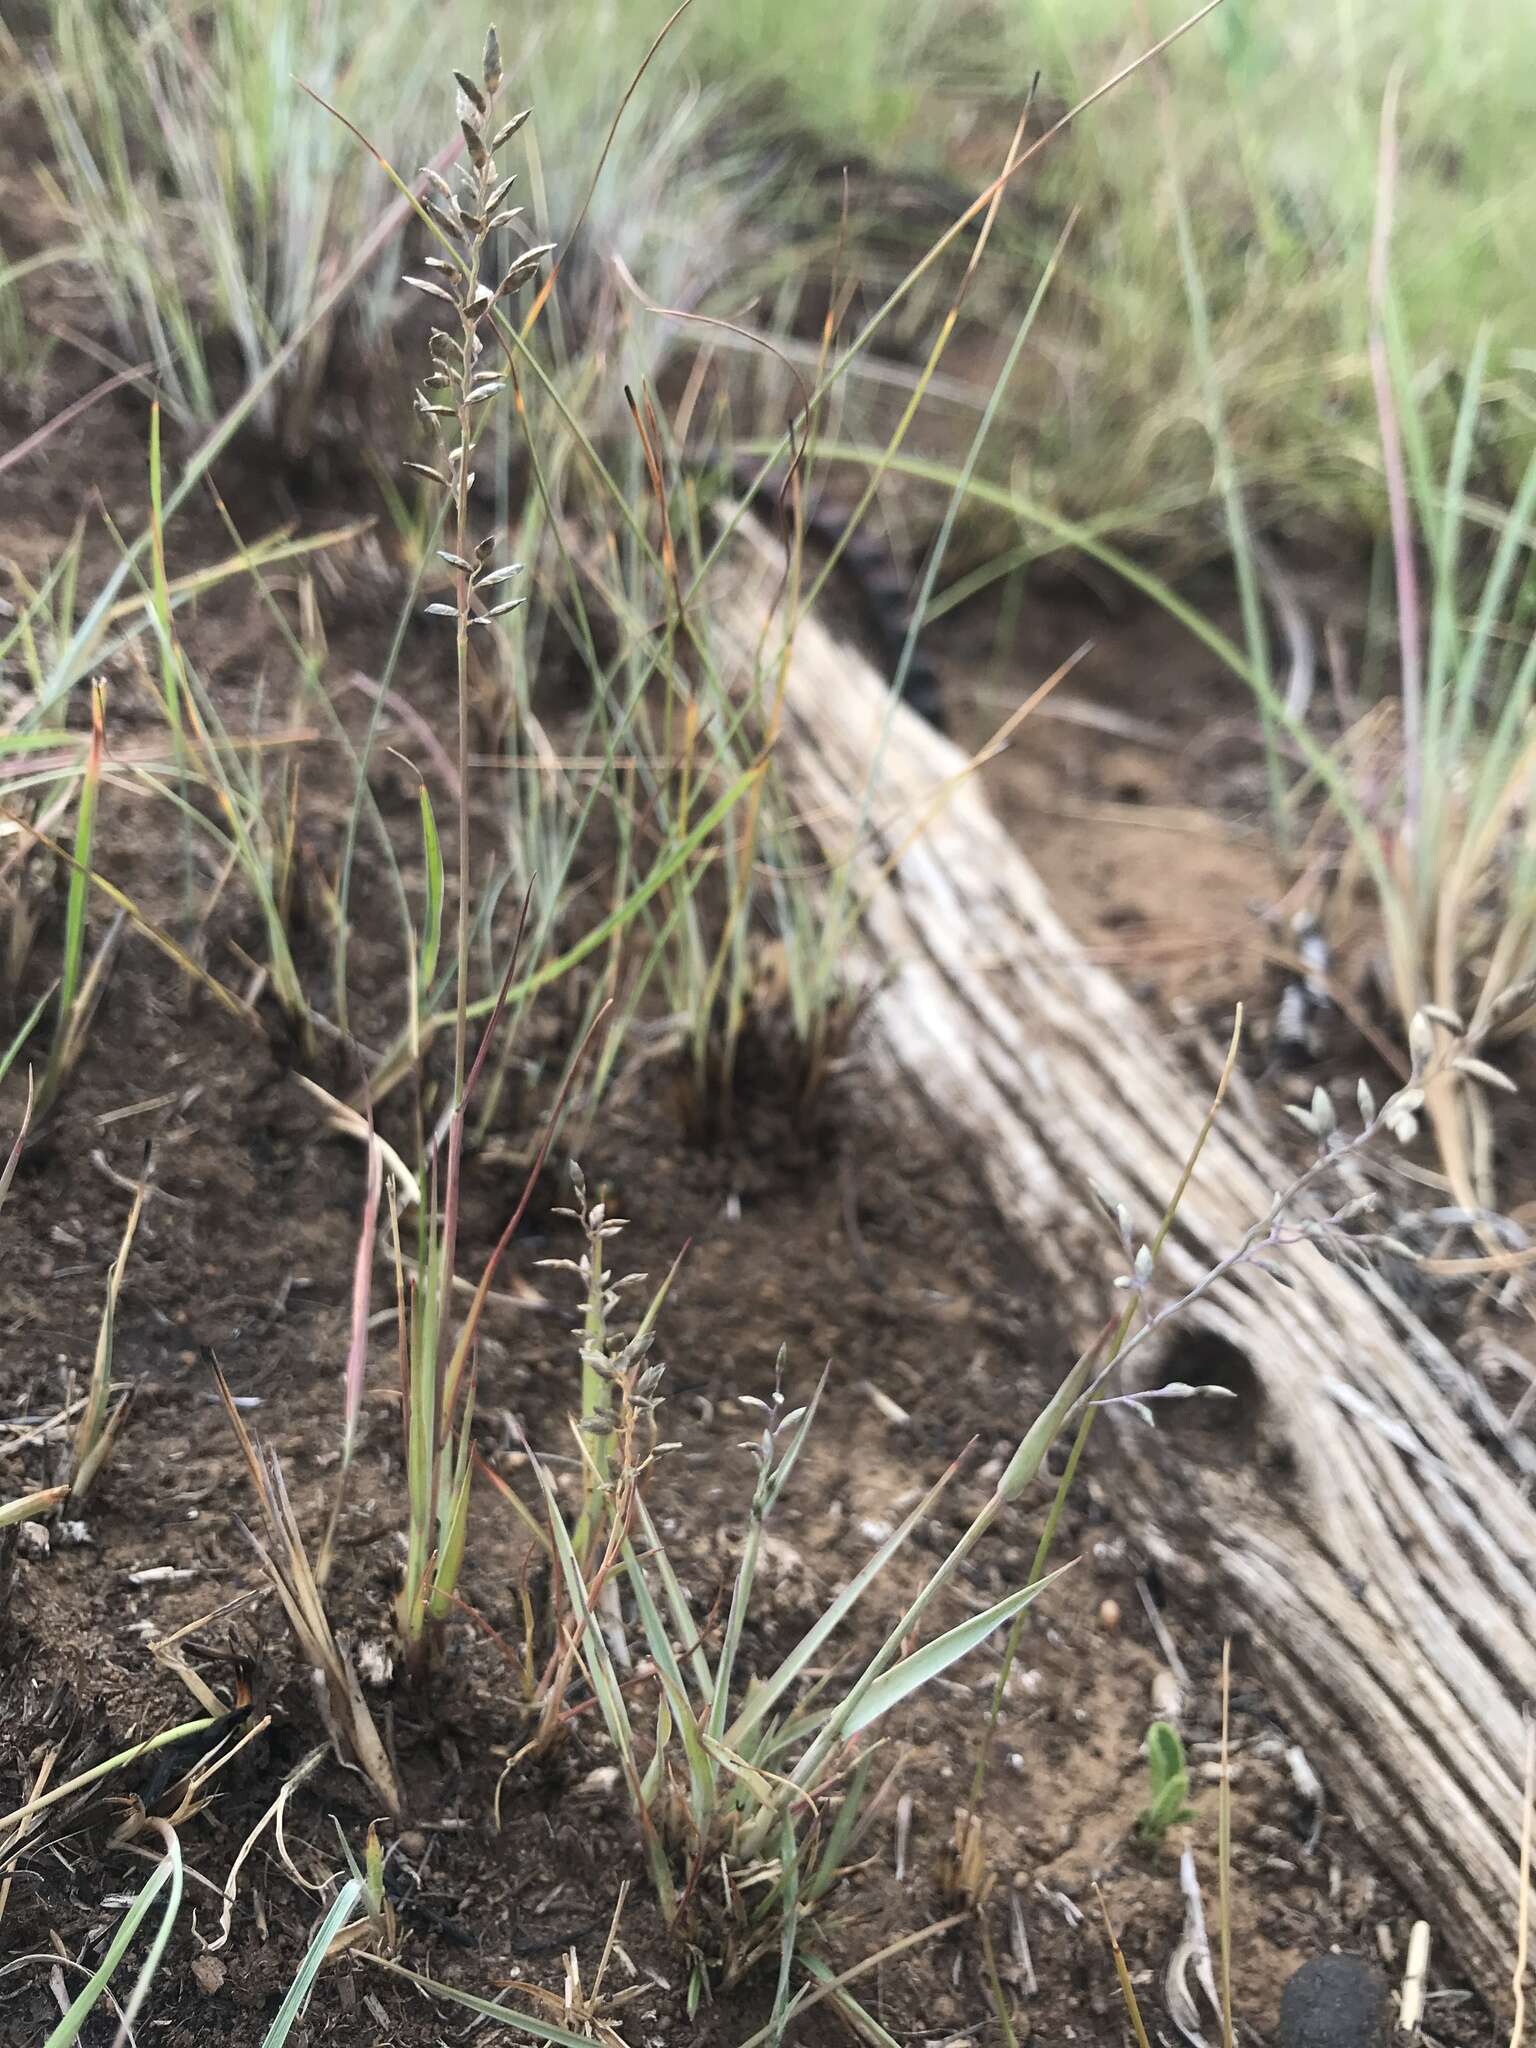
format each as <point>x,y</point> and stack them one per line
<point>71,1535</point>
<point>32,1540</point>
<point>375,1666</point>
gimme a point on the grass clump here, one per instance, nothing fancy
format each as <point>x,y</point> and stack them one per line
<point>751,1792</point>
<point>176,130</point>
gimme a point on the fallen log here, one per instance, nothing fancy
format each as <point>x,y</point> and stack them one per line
<point>1377,1554</point>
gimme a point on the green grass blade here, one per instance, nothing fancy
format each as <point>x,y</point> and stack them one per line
<point>862,2021</point>
<point>924,1665</point>
<point>1493,605</point>
<point>848,1813</point>
<point>595,1655</point>
<point>63,1048</point>
<point>762,1697</point>
<point>1443,634</point>
<point>166,1872</point>
<point>524,2022</point>
<point>789,1928</point>
<point>8,1057</point>
<point>675,1693</point>
<point>684,1620</point>
<point>298,1991</point>
<point>616,919</point>
<point>1029,512</point>
<point>151,1964</point>
<point>31,1505</point>
<point>432,921</point>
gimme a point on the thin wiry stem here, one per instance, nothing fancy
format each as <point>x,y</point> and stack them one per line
<point>1405,567</point>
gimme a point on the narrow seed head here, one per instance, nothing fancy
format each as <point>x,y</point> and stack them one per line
<point>491,64</point>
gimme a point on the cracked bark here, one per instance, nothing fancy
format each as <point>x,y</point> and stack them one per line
<point>1377,1554</point>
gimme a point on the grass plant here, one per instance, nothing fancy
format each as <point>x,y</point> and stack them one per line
<point>173,132</point>
<point>1275,123</point>
<point>750,1791</point>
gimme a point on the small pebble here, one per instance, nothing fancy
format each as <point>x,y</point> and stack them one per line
<point>209,1973</point>
<point>32,1540</point>
<point>1109,1616</point>
<point>1334,2002</point>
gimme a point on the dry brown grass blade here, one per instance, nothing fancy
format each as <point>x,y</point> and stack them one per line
<point>1224,1846</point>
<point>8,1171</point>
<point>157,937</point>
<point>30,1505</point>
<point>351,1123</point>
<point>1127,1988</point>
<point>40,1801</point>
<point>40,436</point>
<point>166,1652</point>
<point>97,1431</point>
<point>293,1580</point>
<point>832,1987</point>
<point>11,1847</point>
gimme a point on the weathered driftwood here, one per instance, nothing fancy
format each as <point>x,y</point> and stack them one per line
<point>1341,1515</point>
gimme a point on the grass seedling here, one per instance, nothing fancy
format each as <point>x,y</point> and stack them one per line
<point>454,402</point>
<point>437,1382</point>
<point>1167,1784</point>
<point>1458,847</point>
